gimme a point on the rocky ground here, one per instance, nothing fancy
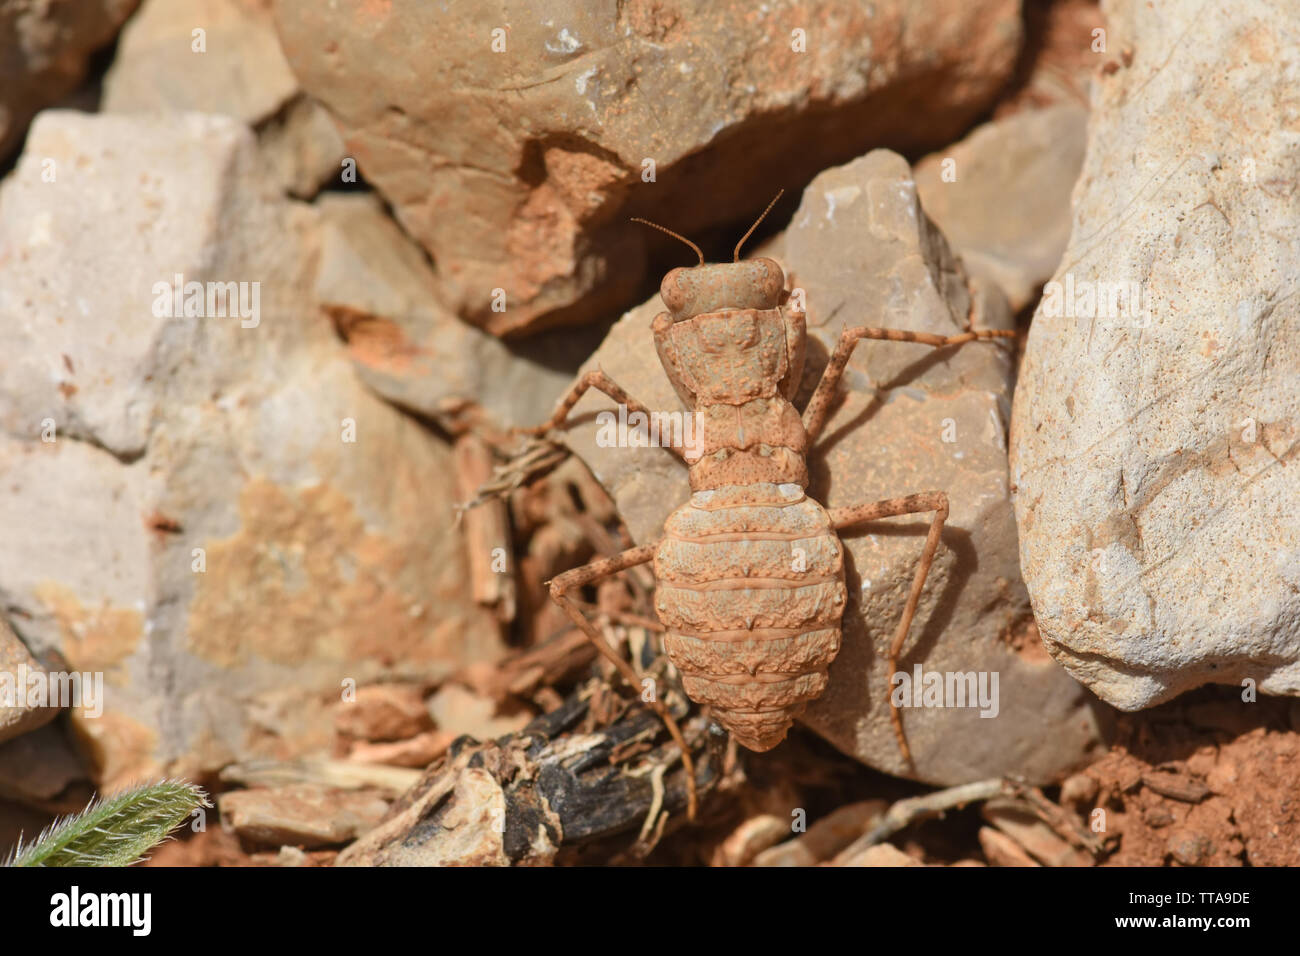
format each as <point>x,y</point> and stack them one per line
<point>246,509</point>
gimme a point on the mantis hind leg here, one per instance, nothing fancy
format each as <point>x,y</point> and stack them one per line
<point>595,571</point>
<point>933,501</point>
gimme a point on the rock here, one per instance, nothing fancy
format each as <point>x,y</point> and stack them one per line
<point>330,773</point>
<point>455,829</point>
<point>458,711</point>
<point>1007,213</point>
<point>18,713</point>
<point>1079,790</point>
<point>752,837</point>
<point>384,712</point>
<point>824,838</point>
<point>377,288</point>
<point>1019,822</point>
<point>292,856</point>
<point>1065,44</point>
<point>882,854</point>
<point>1001,850</point>
<point>225,523</point>
<point>517,170</point>
<point>44,48</point>
<point>211,56</point>
<point>302,148</point>
<point>42,768</point>
<point>1222,778</point>
<point>239,71</point>
<point>305,815</point>
<point>1176,786</point>
<point>864,253</point>
<point>418,751</point>
<point>1154,444</point>
<point>1189,847</point>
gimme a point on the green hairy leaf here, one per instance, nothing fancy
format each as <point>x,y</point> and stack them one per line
<point>116,831</point>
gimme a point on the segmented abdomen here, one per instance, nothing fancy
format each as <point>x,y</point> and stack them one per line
<point>750,587</point>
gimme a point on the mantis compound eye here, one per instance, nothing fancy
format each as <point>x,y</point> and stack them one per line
<point>674,296</point>
<point>769,279</point>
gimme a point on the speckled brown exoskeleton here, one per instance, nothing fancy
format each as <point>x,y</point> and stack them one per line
<point>750,571</point>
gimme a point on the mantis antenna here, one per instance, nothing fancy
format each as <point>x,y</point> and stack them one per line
<point>755,225</point>
<point>675,235</point>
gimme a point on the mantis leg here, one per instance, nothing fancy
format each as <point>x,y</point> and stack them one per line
<point>937,502</point>
<point>603,383</point>
<point>819,406</point>
<point>595,571</point>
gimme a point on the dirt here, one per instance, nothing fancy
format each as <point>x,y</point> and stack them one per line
<point>1241,756</point>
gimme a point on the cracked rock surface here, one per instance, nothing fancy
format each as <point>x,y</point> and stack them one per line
<point>1154,441</point>
<point>183,508</point>
<point>517,165</point>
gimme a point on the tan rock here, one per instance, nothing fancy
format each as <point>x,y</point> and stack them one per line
<point>377,289</point>
<point>516,170</point>
<point>211,56</point>
<point>384,712</point>
<point>1155,428</point>
<point>755,835</point>
<point>1079,790</point>
<point>330,773</point>
<point>882,854</point>
<point>1007,211</point>
<point>458,710</point>
<point>826,837</point>
<point>226,523</point>
<point>418,751</point>
<point>18,714</point>
<point>302,149</point>
<point>305,815</point>
<point>40,767</point>
<point>1001,850</point>
<point>222,56</point>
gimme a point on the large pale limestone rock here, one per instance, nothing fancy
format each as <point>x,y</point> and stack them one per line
<point>222,56</point>
<point>1154,443</point>
<point>185,507</point>
<point>375,284</point>
<point>513,140</point>
<point>912,420</point>
<point>216,56</point>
